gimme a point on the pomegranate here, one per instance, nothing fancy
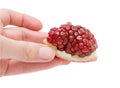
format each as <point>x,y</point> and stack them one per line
<point>73,43</point>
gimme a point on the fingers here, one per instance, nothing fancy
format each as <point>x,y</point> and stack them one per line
<point>24,34</point>
<point>25,51</point>
<point>14,18</point>
<point>16,67</point>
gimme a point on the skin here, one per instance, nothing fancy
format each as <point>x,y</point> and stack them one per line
<point>19,45</point>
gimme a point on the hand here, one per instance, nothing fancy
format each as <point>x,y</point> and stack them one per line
<point>21,48</point>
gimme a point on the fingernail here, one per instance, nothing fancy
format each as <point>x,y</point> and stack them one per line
<point>46,53</point>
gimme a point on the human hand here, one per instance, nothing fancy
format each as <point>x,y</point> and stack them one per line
<point>21,48</point>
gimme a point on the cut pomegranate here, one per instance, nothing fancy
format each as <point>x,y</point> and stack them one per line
<point>72,40</point>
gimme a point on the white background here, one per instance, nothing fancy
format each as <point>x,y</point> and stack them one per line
<point>102,17</point>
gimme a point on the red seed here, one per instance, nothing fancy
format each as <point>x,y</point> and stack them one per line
<point>71,38</point>
<point>63,34</point>
<point>65,41</point>
<point>79,38</point>
<point>85,41</point>
<point>74,28</point>
<point>71,32</point>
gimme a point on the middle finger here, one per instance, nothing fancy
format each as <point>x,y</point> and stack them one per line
<point>24,34</point>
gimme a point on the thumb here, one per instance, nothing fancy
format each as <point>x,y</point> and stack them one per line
<point>25,51</point>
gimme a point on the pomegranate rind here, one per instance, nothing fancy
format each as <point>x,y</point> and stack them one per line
<point>69,57</point>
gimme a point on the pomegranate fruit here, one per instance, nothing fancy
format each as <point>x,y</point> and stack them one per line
<point>73,43</point>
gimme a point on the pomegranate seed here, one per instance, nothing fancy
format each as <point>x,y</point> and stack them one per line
<point>63,34</point>
<point>79,38</point>
<point>74,28</point>
<point>71,38</point>
<point>76,34</point>
<point>70,32</point>
<point>85,41</point>
<point>65,41</point>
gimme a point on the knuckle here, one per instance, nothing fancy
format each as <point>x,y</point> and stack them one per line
<point>3,32</point>
<point>1,47</point>
<point>23,35</point>
<point>4,64</point>
<point>27,51</point>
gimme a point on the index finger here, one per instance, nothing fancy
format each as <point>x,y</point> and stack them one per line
<point>14,18</point>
